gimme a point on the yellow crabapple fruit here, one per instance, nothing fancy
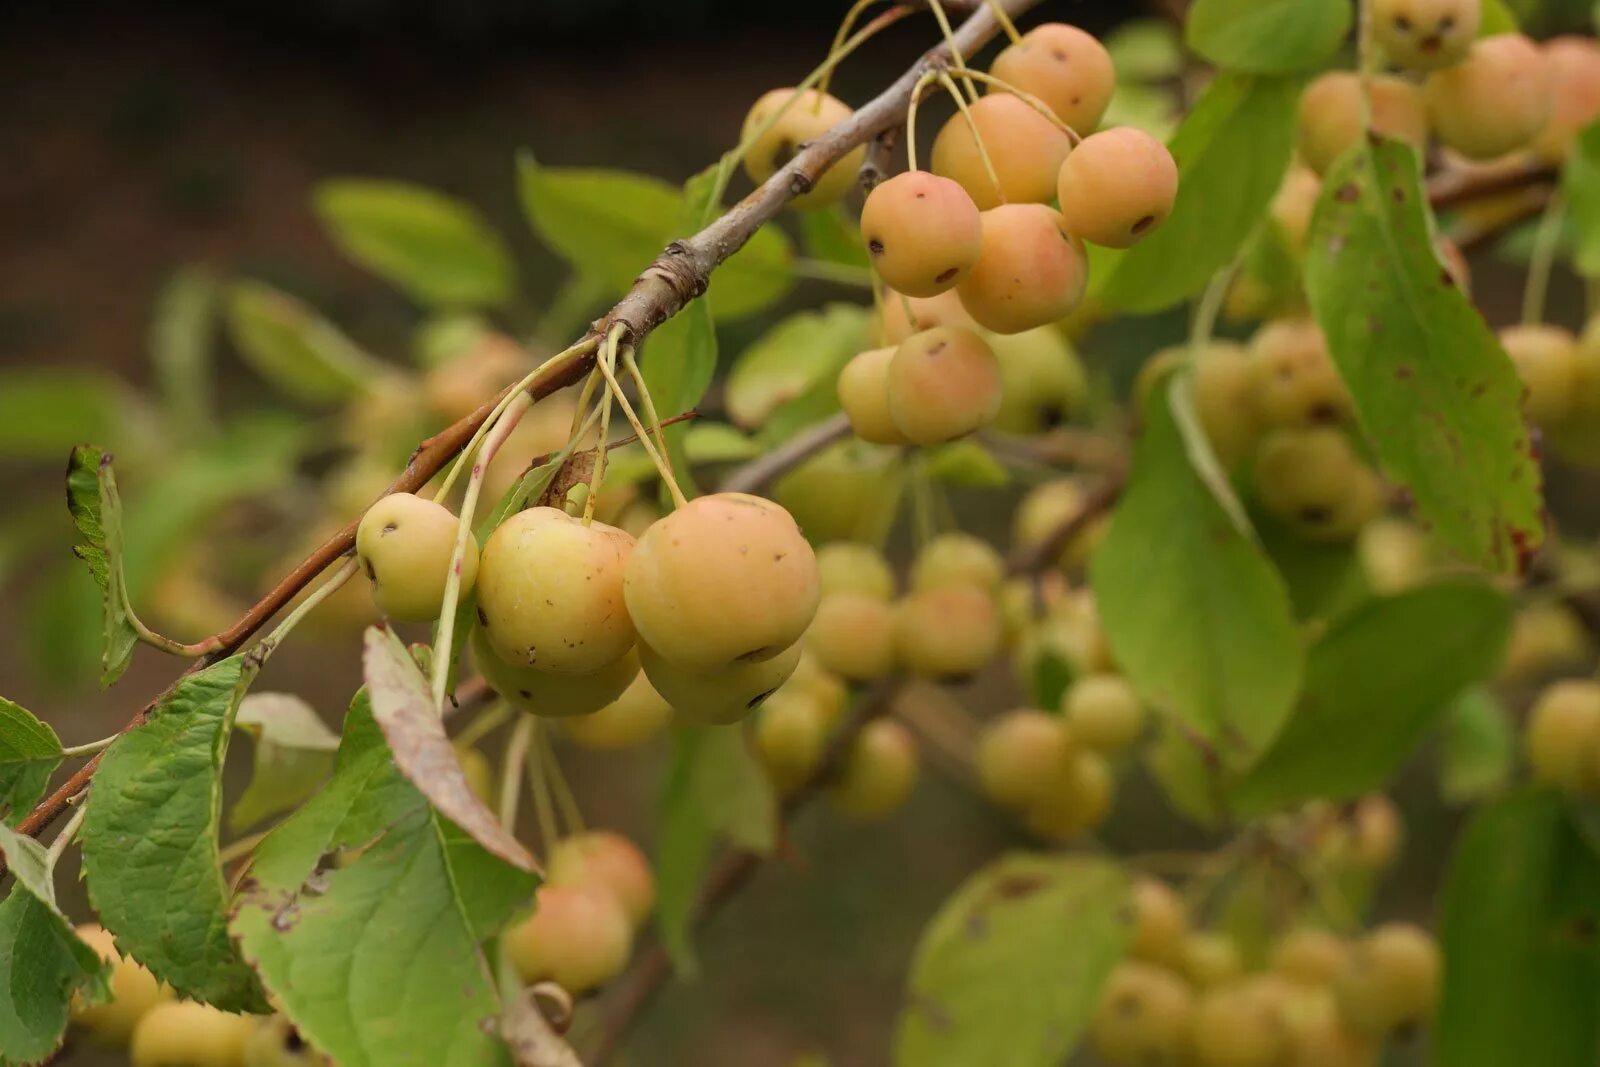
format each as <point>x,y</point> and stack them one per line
<point>1563,733</point>
<point>1296,383</point>
<point>1211,959</point>
<point>1494,101</point>
<point>726,578</point>
<point>609,861</point>
<point>950,632</point>
<point>1103,712</point>
<point>1426,34</point>
<point>1031,271</point>
<point>550,594</point>
<point>1313,480</point>
<point>943,383</point>
<point>578,937</point>
<point>1073,801</point>
<point>1241,1025</point>
<point>457,387</point>
<point>834,494</point>
<point>1044,510</point>
<point>1293,205</point>
<point>791,732</point>
<point>957,559</point>
<point>1161,924</point>
<point>852,567</point>
<point>1330,116</point>
<point>826,689</point>
<point>922,232</point>
<point>186,1033</point>
<point>1143,1017</point>
<point>1319,1036</point>
<point>1390,980</point>
<point>1117,186</point>
<point>879,771</point>
<point>812,115</point>
<point>864,395</point>
<point>478,772</point>
<point>1574,63</point>
<point>548,694</point>
<point>1394,553</point>
<point>404,544</point>
<point>1310,956</point>
<point>1065,68</point>
<point>1377,832</point>
<point>901,315</point>
<point>1544,635</point>
<point>1223,384</point>
<point>635,716</point>
<point>1019,752</point>
<point>853,636</point>
<point>1546,358</point>
<point>1042,383</point>
<point>134,991</point>
<point>276,1043</point>
<point>718,695</point>
<point>1025,148</point>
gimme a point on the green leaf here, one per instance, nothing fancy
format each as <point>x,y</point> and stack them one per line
<point>1010,971</point>
<point>1376,681</point>
<point>799,353</point>
<point>1323,578</point>
<point>967,463</point>
<point>717,442</point>
<point>43,413</point>
<point>610,225</point>
<point>150,840</point>
<point>379,960</point>
<point>30,751</point>
<point>832,236</point>
<point>1194,612</point>
<point>1436,396</point>
<point>1521,970</point>
<point>1231,150</point>
<point>97,512</point>
<point>294,752</point>
<point>1497,18</point>
<point>1580,185</point>
<point>436,249</point>
<point>1268,36</point>
<point>180,345</point>
<point>715,791</point>
<point>295,349</point>
<point>680,359</point>
<point>1144,50</point>
<point>1480,747</point>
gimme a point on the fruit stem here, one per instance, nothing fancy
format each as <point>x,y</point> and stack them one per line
<point>822,270</point>
<point>630,362</point>
<point>539,785</point>
<point>485,723</point>
<point>977,138</point>
<point>1027,98</point>
<point>607,367</point>
<point>1546,243</point>
<point>1180,398</point>
<point>267,644</point>
<point>950,43</point>
<point>607,356</point>
<point>911,117</point>
<point>65,838</point>
<point>566,801</point>
<point>1004,20</point>
<point>845,26</point>
<point>89,748</point>
<point>881,524</point>
<point>515,756</point>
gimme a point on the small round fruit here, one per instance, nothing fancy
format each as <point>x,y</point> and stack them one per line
<point>1117,186</point>
<point>1546,358</point>
<point>1031,271</point>
<point>489,363</point>
<point>1025,147</point>
<point>1564,734</point>
<point>818,684</point>
<point>1042,383</point>
<point>853,636</point>
<point>1296,383</point>
<point>1390,980</point>
<point>578,937</point>
<point>922,232</point>
<point>878,773</point>
<point>1044,510</point>
<point>957,559</point>
<point>1310,956</point>
<point>134,991</point>
<point>1143,1017</point>
<point>1211,959</point>
<point>1103,712</point>
<point>1321,1038</point>
<point>1293,205</point>
<point>852,567</point>
<point>1330,120</point>
<point>405,544</point>
<point>186,1033</point>
<point>1575,93</point>
<point>1544,635</point>
<point>1019,753</point>
<point>835,493</point>
<point>551,695</point>
<point>609,861</point>
<point>1224,399</point>
<point>864,395</point>
<point>276,1043</point>
<point>1242,1025</point>
<point>1426,34</point>
<point>897,323</point>
<point>808,118</point>
<point>551,595</point>
<point>1378,830</point>
<point>1494,101</point>
<point>949,633</point>
<point>791,732</point>
<point>1076,800</point>
<point>1395,555</point>
<point>943,383</point>
<point>1161,924</point>
<point>637,715</point>
<point>1313,480</point>
<point>719,695</point>
<point>726,578</point>
<point>1067,69</point>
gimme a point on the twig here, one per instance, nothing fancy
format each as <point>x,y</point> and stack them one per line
<point>1457,185</point>
<point>757,473</point>
<point>1037,556</point>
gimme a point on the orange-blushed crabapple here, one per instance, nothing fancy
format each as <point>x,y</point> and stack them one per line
<point>880,770</point>
<point>943,383</point>
<point>853,636</point>
<point>1066,68</point>
<point>864,395</point>
<point>1330,116</point>
<point>404,544</point>
<point>901,315</point>
<point>1574,63</point>
<point>1117,186</point>
<point>957,558</point>
<point>1031,271</point>
<point>808,118</point>
<point>1494,101</point>
<point>610,861</point>
<point>950,632</point>
<point>1025,148</point>
<point>578,937</point>
<point>922,232</point>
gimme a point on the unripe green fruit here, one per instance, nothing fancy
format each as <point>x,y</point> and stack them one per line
<point>1025,148</point>
<point>1313,480</point>
<point>947,633</point>
<point>1143,1017</point>
<point>1330,117</point>
<point>791,733</point>
<point>813,115</point>
<point>577,937</point>
<point>1243,1025</point>
<point>1103,712</point>
<point>1067,69</point>
<point>853,636</point>
<point>635,716</point>
<point>1161,924</point>
<point>404,544</point>
<point>1296,383</point>
<point>276,1043</point>
<point>1042,384</point>
<point>551,595</point>
<point>186,1033</point>
<point>1395,555</point>
<point>719,695</point>
<point>1378,830</point>
<point>922,232</point>
<point>1391,980</point>
<point>1426,34</point>
<point>1076,800</point>
<point>835,493</point>
<point>1494,101</point>
<point>895,324</point>
<point>864,396</point>
<point>1574,93</point>
<point>943,383</point>
<point>851,567</point>
<point>878,773</point>
<point>1031,270</point>
<point>134,991</point>
<point>1211,960</point>
<point>1310,956</point>
<point>1546,358</point>
<point>1019,753</point>
<point>726,578</point>
<point>1563,735</point>
<point>957,559</point>
<point>551,695</point>
<point>607,861</point>
<point>1117,186</point>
